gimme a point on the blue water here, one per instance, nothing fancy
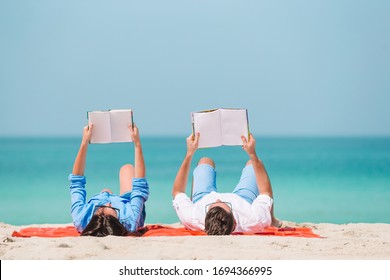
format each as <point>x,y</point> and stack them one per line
<point>330,180</point>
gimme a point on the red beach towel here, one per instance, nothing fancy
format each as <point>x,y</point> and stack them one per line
<point>159,230</point>
<point>47,232</point>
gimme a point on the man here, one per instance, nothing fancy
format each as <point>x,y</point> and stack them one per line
<point>249,208</point>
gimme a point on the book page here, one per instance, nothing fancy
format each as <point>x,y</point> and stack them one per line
<point>119,125</point>
<point>209,126</point>
<point>101,132</point>
<point>234,125</point>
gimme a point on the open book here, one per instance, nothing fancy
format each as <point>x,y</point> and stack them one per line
<point>220,127</point>
<point>110,125</point>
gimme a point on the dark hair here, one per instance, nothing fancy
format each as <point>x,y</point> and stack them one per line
<point>103,225</point>
<point>219,222</point>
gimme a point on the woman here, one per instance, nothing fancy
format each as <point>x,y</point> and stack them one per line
<point>107,213</point>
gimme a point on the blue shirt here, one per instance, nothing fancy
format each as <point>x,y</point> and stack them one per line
<point>131,205</point>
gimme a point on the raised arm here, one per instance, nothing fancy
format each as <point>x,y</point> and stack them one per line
<point>79,163</point>
<point>179,186</point>
<point>139,162</point>
<point>262,179</point>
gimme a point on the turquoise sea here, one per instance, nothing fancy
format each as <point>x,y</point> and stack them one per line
<point>327,180</point>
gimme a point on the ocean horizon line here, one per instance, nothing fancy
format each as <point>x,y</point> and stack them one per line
<point>266,136</point>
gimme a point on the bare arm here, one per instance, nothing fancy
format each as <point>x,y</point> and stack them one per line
<point>179,186</point>
<point>262,179</point>
<point>139,162</point>
<point>79,163</point>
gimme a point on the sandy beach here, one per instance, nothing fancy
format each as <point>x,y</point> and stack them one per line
<point>360,241</point>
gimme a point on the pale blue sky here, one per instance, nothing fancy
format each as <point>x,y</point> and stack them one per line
<point>299,67</point>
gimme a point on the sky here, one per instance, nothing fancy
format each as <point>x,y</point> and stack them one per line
<point>301,68</point>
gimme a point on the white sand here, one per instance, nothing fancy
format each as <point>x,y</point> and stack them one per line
<point>348,241</point>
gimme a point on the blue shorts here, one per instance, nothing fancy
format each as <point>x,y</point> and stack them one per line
<point>204,182</point>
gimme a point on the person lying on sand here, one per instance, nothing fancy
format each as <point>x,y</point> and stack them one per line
<point>249,208</point>
<point>107,213</point>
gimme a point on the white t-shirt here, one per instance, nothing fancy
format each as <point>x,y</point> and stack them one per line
<point>249,217</point>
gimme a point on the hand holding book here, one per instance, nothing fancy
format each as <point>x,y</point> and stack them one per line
<point>134,133</point>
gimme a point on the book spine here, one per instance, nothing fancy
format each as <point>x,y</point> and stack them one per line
<point>193,124</point>
<point>88,124</point>
<point>247,121</point>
